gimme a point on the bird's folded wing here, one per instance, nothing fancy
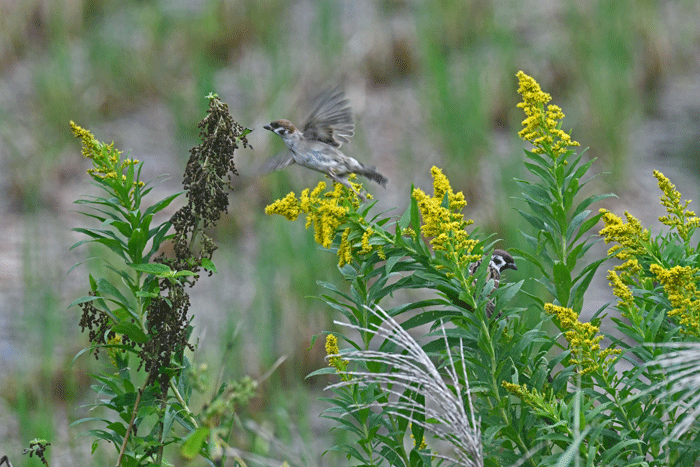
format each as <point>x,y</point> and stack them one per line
<point>330,120</point>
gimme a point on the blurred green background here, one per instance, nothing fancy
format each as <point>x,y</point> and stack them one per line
<point>431,83</point>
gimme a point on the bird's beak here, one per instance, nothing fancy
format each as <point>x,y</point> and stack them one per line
<point>267,127</point>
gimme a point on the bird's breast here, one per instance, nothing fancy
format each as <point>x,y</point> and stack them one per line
<point>317,159</point>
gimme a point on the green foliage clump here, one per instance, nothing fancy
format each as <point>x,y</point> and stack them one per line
<point>519,393</point>
<point>142,318</point>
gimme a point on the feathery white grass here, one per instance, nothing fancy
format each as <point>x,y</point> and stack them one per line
<point>448,419</point>
<point>682,370</point>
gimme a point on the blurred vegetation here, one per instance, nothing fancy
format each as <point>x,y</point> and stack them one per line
<point>432,83</point>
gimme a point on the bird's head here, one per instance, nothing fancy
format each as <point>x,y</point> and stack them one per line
<point>501,260</point>
<point>284,128</point>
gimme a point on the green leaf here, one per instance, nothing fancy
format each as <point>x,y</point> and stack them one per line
<point>322,371</point>
<point>590,200</point>
<point>535,192</point>
<point>194,442</point>
<point>575,223</point>
<point>124,228</point>
<point>586,226</point>
<point>158,234</point>
<point>506,292</point>
<point>532,220</point>
<point>136,244</point>
<point>132,331</point>
<point>404,220</point>
<point>162,204</point>
<point>581,170</point>
<point>559,218</point>
<point>83,299</point>
<point>157,269</point>
<point>581,283</point>
<point>429,317</point>
<point>537,158</point>
<point>208,265</point>
<point>545,176</point>
<point>105,287</point>
<point>562,282</point>
<point>559,172</point>
<point>415,217</point>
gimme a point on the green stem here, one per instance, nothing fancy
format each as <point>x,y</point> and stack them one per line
<point>131,423</point>
<point>182,402</point>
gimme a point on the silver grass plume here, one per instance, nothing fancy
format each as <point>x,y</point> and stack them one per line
<point>681,368</point>
<point>416,372</point>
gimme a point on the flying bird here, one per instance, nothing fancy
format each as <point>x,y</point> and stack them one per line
<point>316,146</point>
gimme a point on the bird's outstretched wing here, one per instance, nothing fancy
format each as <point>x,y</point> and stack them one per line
<point>330,120</point>
<point>277,162</point>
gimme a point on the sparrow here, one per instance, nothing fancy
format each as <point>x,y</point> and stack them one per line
<point>316,146</point>
<point>500,261</point>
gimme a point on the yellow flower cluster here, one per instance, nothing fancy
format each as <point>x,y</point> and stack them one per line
<point>112,352</point>
<point>630,237</point>
<point>621,291</point>
<point>630,271</point>
<point>423,444</point>
<point>542,405</point>
<point>288,207</point>
<point>530,397</point>
<point>679,217</point>
<point>583,342</point>
<point>680,284</point>
<point>541,128</point>
<point>346,246</point>
<point>332,351</point>
<point>105,158</point>
<point>366,247</point>
<point>445,224</point>
<point>325,211</point>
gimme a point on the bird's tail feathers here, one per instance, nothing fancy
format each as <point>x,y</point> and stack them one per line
<point>370,172</point>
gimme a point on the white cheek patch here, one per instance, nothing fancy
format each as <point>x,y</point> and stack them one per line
<point>497,263</point>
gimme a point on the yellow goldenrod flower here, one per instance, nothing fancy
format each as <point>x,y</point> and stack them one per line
<point>621,291</point>
<point>446,225</point>
<point>333,352</point>
<point>630,268</point>
<point>105,158</point>
<point>326,211</point>
<point>541,404</point>
<point>91,147</point>
<point>630,237</point>
<point>680,285</point>
<point>583,342</point>
<point>541,128</point>
<point>529,397</point>
<point>323,210</point>
<point>345,249</point>
<point>423,444</point>
<point>366,247</point>
<point>289,207</point>
<point>679,217</point>
<point>113,352</point>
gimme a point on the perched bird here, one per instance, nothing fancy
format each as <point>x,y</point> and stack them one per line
<point>315,147</point>
<point>500,261</point>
